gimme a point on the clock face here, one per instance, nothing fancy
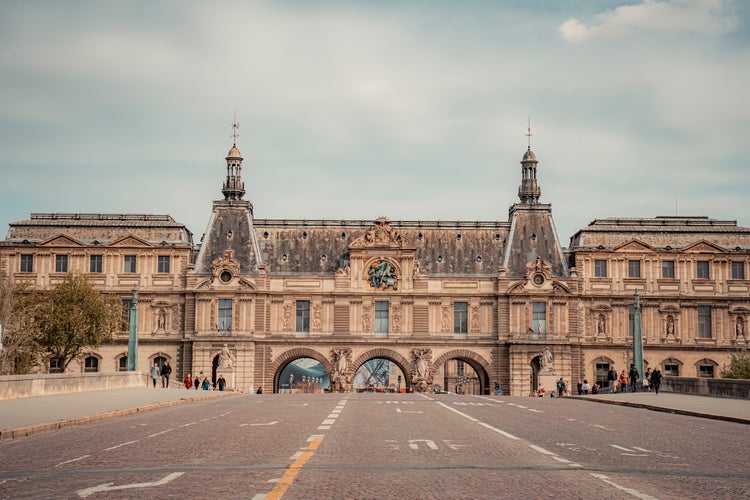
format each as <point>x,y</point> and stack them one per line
<point>538,279</point>
<point>226,277</point>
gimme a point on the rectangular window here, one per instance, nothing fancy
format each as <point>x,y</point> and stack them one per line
<point>126,305</point>
<point>706,371</point>
<point>61,263</point>
<point>600,268</point>
<point>667,269</point>
<point>702,269</point>
<point>381,317</point>
<point>539,319</point>
<point>130,263</point>
<point>634,269</point>
<point>631,320</point>
<point>27,263</point>
<point>303,316</point>
<point>163,264</point>
<point>704,322</point>
<point>95,264</point>
<point>55,365</point>
<point>461,317</point>
<point>225,317</point>
<point>460,368</point>
<point>672,369</point>
<point>738,270</point>
<point>122,364</point>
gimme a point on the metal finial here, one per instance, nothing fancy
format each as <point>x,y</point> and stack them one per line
<point>528,132</point>
<point>235,130</point>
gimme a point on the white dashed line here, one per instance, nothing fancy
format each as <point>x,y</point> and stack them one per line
<point>120,445</point>
<point>540,449</point>
<point>329,421</point>
<point>185,425</point>
<point>621,448</point>
<point>324,427</point>
<point>162,432</point>
<point>620,487</point>
<point>72,460</point>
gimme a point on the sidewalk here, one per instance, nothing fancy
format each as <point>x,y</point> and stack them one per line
<point>26,416</point>
<point>732,410</point>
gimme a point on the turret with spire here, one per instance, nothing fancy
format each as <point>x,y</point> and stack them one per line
<point>529,190</point>
<point>234,188</point>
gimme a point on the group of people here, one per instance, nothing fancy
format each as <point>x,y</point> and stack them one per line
<point>201,382</point>
<point>628,382</point>
<point>161,372</point>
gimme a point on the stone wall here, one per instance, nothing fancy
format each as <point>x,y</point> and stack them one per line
<point>24,386</point>
<point>719,387</point>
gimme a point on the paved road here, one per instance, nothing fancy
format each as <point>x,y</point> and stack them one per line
<point>380,446</point>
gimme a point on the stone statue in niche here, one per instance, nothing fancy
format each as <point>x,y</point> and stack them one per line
<point>161,320</point>
<point>739,328</point>
<point>601,325</point>
<point>670,326</point>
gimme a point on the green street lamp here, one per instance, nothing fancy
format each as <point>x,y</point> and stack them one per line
<point>133,338</point>
<point>637,335</point>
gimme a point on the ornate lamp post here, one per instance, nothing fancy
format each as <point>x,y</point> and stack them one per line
<point>133,338</point>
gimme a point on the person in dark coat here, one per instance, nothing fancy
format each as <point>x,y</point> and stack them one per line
<point>656,380</point>
<point>166,371</point>
<point>634,376</point>
<point>220,382</point>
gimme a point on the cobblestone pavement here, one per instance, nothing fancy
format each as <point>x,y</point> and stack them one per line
<point>383,446</point>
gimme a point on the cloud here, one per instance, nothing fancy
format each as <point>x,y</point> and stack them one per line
<point>709,17</point>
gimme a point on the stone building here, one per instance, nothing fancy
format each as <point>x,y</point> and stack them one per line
<point>449,303</point>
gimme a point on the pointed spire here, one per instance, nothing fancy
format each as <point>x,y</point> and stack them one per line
<point>234,188</point>
<point>529,191</point>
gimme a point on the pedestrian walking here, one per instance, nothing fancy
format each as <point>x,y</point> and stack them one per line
<point>612,380</point>
<point>647,379</point>
<point>220,382</point>
<point>633,376</point>
<point>579,387</point>
<point>198,380</point>
<point>586,387</point>
<point>188,382</point>
<point>656,380</point>
<point>155,372</point>
<point>206,385</point>
<point>623,382</point>
<point>560,387</point>
<point>166,370</point>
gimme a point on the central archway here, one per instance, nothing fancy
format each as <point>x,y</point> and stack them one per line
<point>287,358</point>
<point>389,355</point>
<point>473,360</point>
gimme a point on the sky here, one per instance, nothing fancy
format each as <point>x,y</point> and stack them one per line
<point>413,110</point>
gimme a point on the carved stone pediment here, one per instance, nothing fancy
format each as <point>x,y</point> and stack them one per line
<point>226,264</point>
<point>382,235</point>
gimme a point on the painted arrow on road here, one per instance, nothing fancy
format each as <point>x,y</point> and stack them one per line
<point>108,486</point>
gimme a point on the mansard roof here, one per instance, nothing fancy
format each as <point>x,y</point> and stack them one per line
<point>97,228</point>
<point>322,246</point>
<point>661,232</point>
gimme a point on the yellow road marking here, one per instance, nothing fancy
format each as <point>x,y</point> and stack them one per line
<point>291,473</point>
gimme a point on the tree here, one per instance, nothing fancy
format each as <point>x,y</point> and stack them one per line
<point>739,366</point>
<point>20,349</point>
<point>74,317</point>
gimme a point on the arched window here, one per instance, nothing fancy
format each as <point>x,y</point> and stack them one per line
<point>91,364</point>
<point>122,363</point>
<point>55,365</point>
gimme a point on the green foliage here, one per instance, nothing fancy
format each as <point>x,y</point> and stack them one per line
<point>74,317</point>
<point>20,352</point>
<point>739,367</point>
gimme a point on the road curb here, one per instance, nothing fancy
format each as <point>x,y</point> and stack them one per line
<point>34,429</point>
<point>690,413</point>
